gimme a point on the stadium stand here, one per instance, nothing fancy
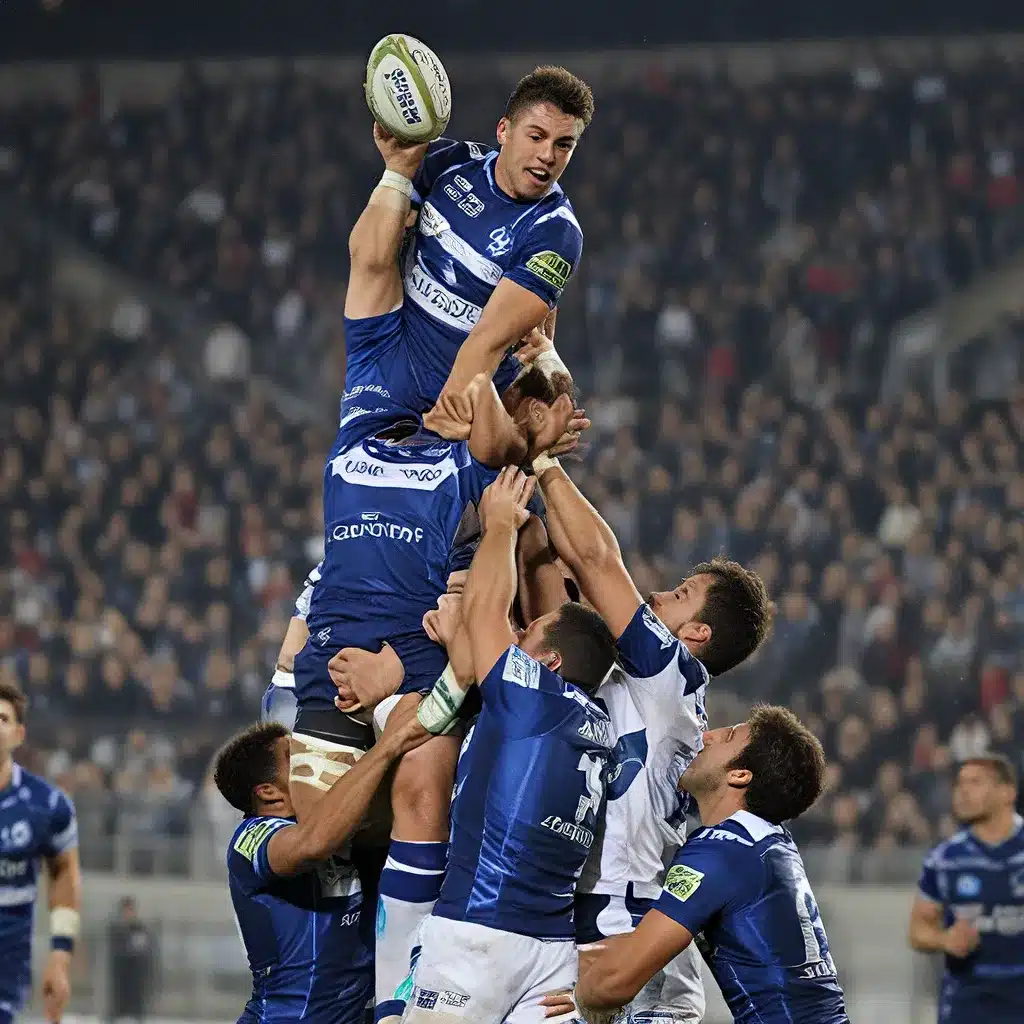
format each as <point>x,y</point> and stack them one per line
<point>730,346</point>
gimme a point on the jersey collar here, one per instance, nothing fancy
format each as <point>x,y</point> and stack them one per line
<point>757,828</point>
<point>500,193</point>
<point>1018,826</point>
<point>15,782</point>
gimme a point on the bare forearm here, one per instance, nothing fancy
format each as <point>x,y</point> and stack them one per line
<point>927,937</point>
<point>65,889</point>
<point>604,986</point>
<point>494,439</point>
<point>577,531</point>
<point>491,586</point>
<point>541,585</point>
<point>377,236</point>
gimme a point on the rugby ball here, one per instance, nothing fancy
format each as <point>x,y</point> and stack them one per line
<point>407,89</point>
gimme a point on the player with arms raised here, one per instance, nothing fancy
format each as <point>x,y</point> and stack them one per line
<point>495,244</point>
<point>37,827</point>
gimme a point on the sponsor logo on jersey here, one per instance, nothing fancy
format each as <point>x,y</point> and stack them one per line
<point>462,182</point>
<point>13,869</point>
<point>324,635</point>
<point>452,193</point>
<point>456,1000</point>
<point>426,998</point>
<point>521,669</point>
<point>377,531</point>
<point>596,732</point>
<point>434,298</point>
<point>366,389</point>
<point>682,881</point>
<point>968,886</point>
<point>1017,884</point>
<point>471,206</point>
<point>658,628</point>
<point>501,241</point>
<point>431,222</point>
<point>550,267</point>
<point>253,836</point>
<point>359,467</point>
<point>569,830</point>
<point>355,412</point>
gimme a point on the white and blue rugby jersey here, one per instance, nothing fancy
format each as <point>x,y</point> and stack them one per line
<point>740,889</point>
<point>309,948</point>
<point>392,509</point>
<point>656,705</point>
<point>469,236</point>
<point>37,821</point>
<point>984,885</point>
<point>528,795</point>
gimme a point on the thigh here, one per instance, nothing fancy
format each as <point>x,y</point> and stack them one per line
<point>465,973</point>
<point>554,967</point>
<point>324,744</point>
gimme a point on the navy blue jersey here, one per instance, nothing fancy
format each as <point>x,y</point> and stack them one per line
<point>985,885</point>
<point>529,791</point>
<point>37,821</point>
<point>392,510</point>
<point>469,236</point>
<point>741,891</point>
<point>309,949</point>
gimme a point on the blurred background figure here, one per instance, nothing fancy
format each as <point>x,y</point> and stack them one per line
<point>132,964</point>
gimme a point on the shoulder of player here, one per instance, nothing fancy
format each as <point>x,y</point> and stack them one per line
<point>251,834</point>
<point>39,793</point>
<point>554,213</point>
<point>958,844</point>
<point>672,654</point>
<point>448,156</point>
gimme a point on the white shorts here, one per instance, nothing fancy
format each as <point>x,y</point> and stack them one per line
<point>470,974</point>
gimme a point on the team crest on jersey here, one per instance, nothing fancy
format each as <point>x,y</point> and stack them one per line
<point>431,222</point>
<point>16,836</point>
<point>1017,884</point>
<point>683,881</point>
<point>968,886</point>
<point>550,267</point>
<point>501,241</point>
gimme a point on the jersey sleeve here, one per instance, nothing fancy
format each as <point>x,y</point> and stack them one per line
<point>442,155</point>
<point>928,883</point>
<point>548,255</point>
<point>303,600</point>
<point>63,825</point>
<point>705,877</point>
<point>248,859</point>
<point>647,647</point>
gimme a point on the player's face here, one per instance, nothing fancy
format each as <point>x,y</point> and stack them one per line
<point>535,149</point>
<point>682,607</point>
<point>978,794</point>
<point>708,769</point>
<point>12,733</point>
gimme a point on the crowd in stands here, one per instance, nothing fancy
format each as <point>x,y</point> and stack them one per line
<point>730,344</point>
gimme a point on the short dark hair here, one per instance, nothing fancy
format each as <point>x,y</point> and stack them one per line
<point>16,698</point>
<point>787,763</point>
<point>535,383</point>
<point>999,764</point>
<point>555,85</point>
<point>585,643</point>
<point>245,762</point>
<point>738,610</point>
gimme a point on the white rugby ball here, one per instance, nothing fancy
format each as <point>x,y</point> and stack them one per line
<point>407,89</point>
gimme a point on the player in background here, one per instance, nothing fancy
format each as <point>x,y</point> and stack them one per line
<point>669,647</point>
<point>970,904</point>
<point>279,700</point>
<point>38,829</point>
<point>529,792</point>
<point>296,894</point>
<point>737,886</point>
<point>495,244</point>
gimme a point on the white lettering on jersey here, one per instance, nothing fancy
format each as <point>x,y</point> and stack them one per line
<point>378,531</point>
<point>569,830</point>
<point>357,466</point>
<point>521,669</point>
<point>437,301</point>
<point>593,767</point>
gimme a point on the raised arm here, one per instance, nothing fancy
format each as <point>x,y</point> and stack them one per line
<point>491,586</point>
<point>331,821</point>
<point>587,545</point>
<point>541,584</point>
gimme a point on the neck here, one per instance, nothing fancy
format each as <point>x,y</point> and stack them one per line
<point>6,771</point>
<point>715,807</point>
<point>996,830</point>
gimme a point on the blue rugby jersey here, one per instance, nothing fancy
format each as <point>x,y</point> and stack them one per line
<point>469,236</point>
<point>309,948</point>
<point>392,510</point>
<point>985,885</point>
<point>740,889</point>
<point>529,791</point>
<point>37,821</point>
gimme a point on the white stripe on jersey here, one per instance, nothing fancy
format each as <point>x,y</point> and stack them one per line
<point>17,897</point>
<point>437,301</point>
<point>433,224</point>
<point>655,715</point>
<point>67,839</point>
<point>357,466</point>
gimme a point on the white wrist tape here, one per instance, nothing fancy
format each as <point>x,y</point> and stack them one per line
<point>550,363</point>
<point>438,710</point>
<point>64,923</point>
<point>283,680</point>
<point>542,462</point>
<point>396,181</point>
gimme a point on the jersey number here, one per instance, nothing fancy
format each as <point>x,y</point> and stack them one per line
<point>593,767</point>
<point>815,942</point>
